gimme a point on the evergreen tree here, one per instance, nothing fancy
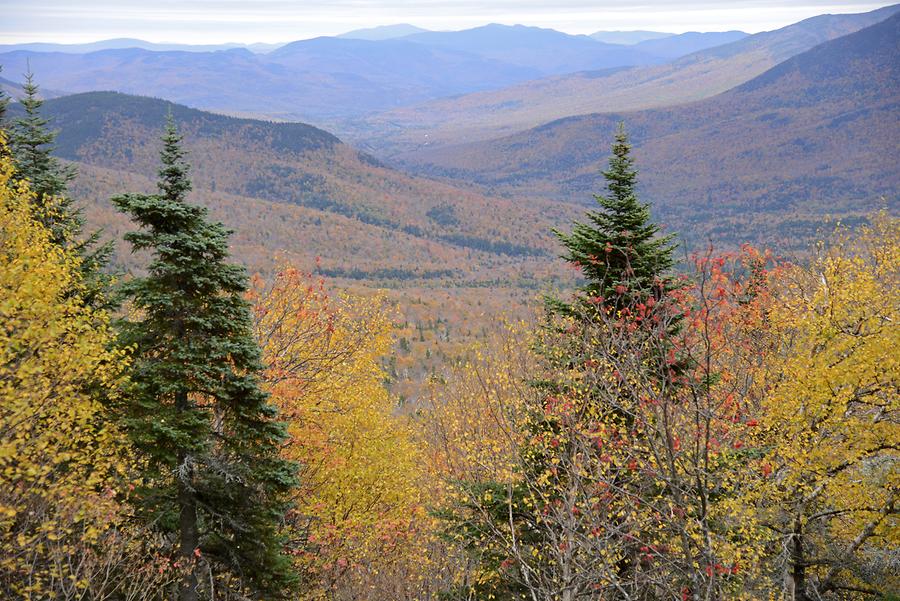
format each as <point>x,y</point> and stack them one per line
<point>32,144</point>
<point>619,247</point>
<point>4,103</point>
<point>211,439</point>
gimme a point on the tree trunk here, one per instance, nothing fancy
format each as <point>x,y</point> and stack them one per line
<point>189,540</point>
<point>798,563</point>
<point>187,520</point>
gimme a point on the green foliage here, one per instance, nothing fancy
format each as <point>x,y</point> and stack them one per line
<point>619,250</point>
<point>4,103</point>
<point>198,415</point>
<point>33,144</point>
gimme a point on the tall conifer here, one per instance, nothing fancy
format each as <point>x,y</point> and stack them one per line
<point>4,103</point>
<point>32,145</point>
<point>215,478</point>
<point>619,247</point>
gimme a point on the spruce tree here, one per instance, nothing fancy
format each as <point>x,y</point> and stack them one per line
<point>619,247</point>
<point>32,145</point>
<point>4,103</point>
<point>215,478</point>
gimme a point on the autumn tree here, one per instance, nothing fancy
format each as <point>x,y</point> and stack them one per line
<point>359,528</point>
<point>828,483</point>
<point>65,467</point>
<point>474,428</point>
<point>214,475</point>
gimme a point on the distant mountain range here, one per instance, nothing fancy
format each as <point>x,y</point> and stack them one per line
<point>120,43</point>
<point>547,51</point>
<point>752,139</point>
<point>328,80</point>
<point>628,38</point>
<point>494,113</point>
<point>817,134</point>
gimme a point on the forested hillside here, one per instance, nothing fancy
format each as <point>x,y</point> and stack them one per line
<point>814,136</point>
<point>294,189</point>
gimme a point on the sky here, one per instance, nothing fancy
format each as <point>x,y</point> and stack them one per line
<point>275,21</point>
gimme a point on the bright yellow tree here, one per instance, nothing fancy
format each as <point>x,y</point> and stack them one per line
<point>831,478</point>
<point>359,511</point>
<point>62,464</point>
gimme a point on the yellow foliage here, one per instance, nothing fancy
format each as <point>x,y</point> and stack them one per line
<point>359,502</point>
<point>831,417</point>
<point>60,462</point>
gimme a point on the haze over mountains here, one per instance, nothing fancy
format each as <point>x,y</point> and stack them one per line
<point>700,75</point>
<point>817,134</point>
<point>325,80</point>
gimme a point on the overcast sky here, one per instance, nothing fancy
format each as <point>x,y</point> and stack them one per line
<point>246,21</point>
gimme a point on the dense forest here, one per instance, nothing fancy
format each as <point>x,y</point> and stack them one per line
<point>723,426</point>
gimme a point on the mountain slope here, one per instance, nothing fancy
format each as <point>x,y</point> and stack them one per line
<point>816,134</point>
<point>687,43</point>
<point>701,75</point>
<point>278,183</point>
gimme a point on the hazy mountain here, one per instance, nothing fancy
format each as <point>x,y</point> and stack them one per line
<point>482,116</point>
<point>404,67</point>
<point>686,43</point>
<point>120,43</point>
<point>628,38</point>
<point>816,134</point>
<point>384,32</point>
<point>293,189</point>
<point>315,79</point>
<point>547,50</point>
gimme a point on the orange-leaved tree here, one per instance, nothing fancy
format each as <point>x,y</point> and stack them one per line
<point>359,516</point>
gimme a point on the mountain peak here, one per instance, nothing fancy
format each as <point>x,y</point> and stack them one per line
<point>383,32</point>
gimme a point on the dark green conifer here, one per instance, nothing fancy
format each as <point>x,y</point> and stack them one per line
<point>619,247</point>
<point>32,145</point>
<point>214,478</point>
<point>4,103</point>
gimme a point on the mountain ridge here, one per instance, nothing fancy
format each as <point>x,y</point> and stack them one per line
<point>491,114</point>
<point>815,134</point>
<point>297,173</point>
